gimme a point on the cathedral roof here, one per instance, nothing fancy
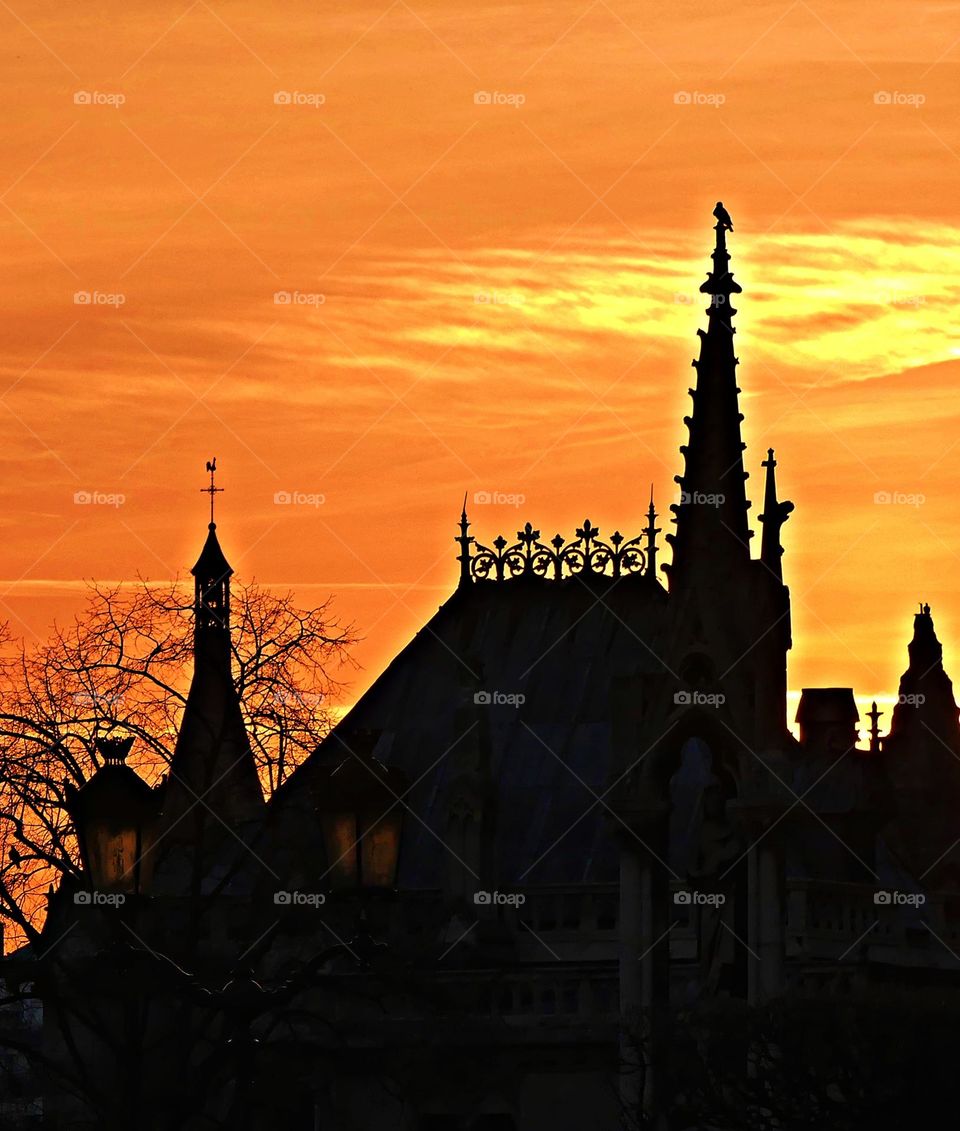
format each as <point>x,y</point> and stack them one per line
<point>535,658</point>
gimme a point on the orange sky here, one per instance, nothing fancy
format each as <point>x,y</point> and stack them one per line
<point>579,201</point>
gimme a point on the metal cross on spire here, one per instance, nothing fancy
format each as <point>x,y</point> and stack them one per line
<point>212,490</point>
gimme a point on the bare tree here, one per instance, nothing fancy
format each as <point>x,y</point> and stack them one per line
<point>123,668</point>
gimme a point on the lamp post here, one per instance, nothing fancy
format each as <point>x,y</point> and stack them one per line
<point>114,815</point>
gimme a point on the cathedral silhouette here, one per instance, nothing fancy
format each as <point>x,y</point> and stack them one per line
<point>569,806</point>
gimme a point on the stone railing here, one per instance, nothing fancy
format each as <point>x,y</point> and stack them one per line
<point>834,921</point>
<point>578,996</point>
<point>565,910</point>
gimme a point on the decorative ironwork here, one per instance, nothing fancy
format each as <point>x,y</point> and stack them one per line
<point>588,555</point>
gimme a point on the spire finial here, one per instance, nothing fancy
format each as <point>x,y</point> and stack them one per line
<point>874,716</point>
<point>464,540</point>
<point>651,530</point>
<point>212,490</point>
<point>775,514</point>
<point>114,751</point>
<point>720,283</point>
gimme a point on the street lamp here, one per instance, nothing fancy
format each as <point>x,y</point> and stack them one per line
<point>361,816</point>
<point>114,815</point>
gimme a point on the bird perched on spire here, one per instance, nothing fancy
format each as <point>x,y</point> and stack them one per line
<point>723,216</point>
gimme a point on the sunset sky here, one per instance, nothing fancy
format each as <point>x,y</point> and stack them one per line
<point>494,294</point>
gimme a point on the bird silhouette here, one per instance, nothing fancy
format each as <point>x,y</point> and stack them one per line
<point>212,464</point>
<point>723,216</point>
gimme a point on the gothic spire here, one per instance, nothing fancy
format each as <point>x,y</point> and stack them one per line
<point>711,517</point>
<point>775,514</point>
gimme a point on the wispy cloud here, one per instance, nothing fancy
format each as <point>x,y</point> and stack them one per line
<point>872,298</point>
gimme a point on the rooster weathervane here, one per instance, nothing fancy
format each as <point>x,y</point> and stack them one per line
<point>212,490</point>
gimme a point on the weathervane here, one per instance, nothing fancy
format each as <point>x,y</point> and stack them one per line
<point>212,490</point>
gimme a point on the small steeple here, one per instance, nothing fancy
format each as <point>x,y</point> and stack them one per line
<point>874,716</point>
<point>922,758</point>
<point>711,517</point>
<point>651,530</point>
<point>211,586</point>
<point>925,650</point>
<point>213,777</point>
<point>211,573</point>
<point>925,692</point>
<point>775,514</point>
<point>465,540</point>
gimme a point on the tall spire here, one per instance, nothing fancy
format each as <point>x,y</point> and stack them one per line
<point>711,517</point>
<point>775,514</point>
<point>213,777</point>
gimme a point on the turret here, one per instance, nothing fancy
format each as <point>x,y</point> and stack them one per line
<point>213,783</point>
<point>828,718</point>
<point>922,757</point>
<point>926,692</point>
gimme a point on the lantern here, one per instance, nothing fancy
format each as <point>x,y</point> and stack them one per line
<point>114,814</point>
<point>362,818</point>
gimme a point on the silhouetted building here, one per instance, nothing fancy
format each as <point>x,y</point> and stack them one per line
<point>604,812</point>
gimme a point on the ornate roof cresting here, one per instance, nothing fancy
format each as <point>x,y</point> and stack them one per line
<point>587,555</point>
